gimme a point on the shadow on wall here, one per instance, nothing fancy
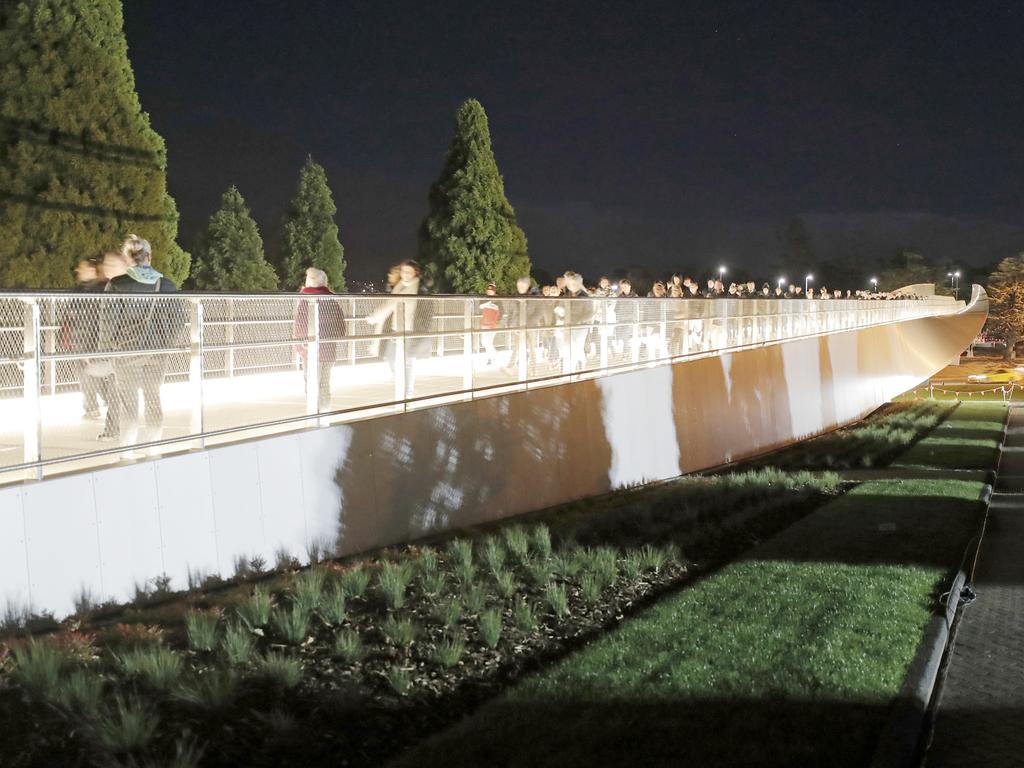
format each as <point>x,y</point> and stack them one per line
<point>427,471</point>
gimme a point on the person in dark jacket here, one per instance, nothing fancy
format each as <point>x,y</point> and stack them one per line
<point>152,326</point>
<point>331,327</point>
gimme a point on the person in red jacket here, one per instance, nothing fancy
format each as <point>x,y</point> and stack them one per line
<point>490,316</point>
<point>332,327</point>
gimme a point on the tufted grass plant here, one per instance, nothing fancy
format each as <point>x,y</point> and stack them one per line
<point>157,665</point>
<point>492,552</point>
<point>433,583</point>
<point>569,563</point>
<point>460,551</point>
<point>522,614</point>
<point>355,581</point>
<point>128,725</point>
<point>255,611</point>
<point>334,606</point>
<point>518,542</point>
<point>506,583</point>
<point>348,646</point>
<point>590,587</point>
<point>474,599</point>
<point>309,588</point>
<point>393,581</point>
<point>400,680</point>
<point>201,628</point>
<point>237,643</point>
<point>541,536</point>
<point>292,623</point>
<point>540,572</point>
<point>557,599</point>
<point>399,632</point>
<point>280,670</point>
<point>213,692</point>
<point>449,612</point>
<point>81,691</point>
<point>653,558</point>
<point>489,625</point>
<point>37,667</point>
<point>632,564</point>
<point>428,562</point>
<point>449,650</point>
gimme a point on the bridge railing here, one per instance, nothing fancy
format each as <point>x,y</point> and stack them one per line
<point>214,368</point>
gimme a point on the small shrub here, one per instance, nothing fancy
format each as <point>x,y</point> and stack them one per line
<point>399,632</point>
<point>506,583</point>
<point>461,551</point>
<point>157,665</point>
<point>522,614</point>
<point>128,726</point>
<point>81,691</point>
<point>449,612</point>
<point>557,599</point>
<point>542,540</point>
<point>201,627</point>
<point>393,580</point>
<point>255,611</point>
<point>400,679</point>
<point>348,646</point>
<point>309,588</point>
<point>37,667</point>
<point>590,587</point>
<point>489,625</point>
<point>214,691</point>
<point>258,565</point>
<point>334,606</point>
<point>280,670</point>
<point>450,650</point>
<point>283,560</point>
<point>474,599</point>
<point>493,553</point>
<point>317,552</point>
<point>237,643</point>
<point>355,581</point>
<point>604,565</point>
<point>292,623</point>
<point>517,541</point>
<point>434,583</point>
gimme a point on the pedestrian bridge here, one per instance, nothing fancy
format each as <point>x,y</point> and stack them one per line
<point>294,424</point>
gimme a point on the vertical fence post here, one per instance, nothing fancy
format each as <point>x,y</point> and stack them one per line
<point>229,337</point>
<point>195,368</point>
<point>312,356</point>
<point>30,384</point>
<point>522,341</point>
<point>467,344</point>
<point>399,342</point>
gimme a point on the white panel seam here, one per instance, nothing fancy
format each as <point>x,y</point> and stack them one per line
<point>24,537</point>
<point>159,520</point>
<point>213,510</point>
<point>99,546</point>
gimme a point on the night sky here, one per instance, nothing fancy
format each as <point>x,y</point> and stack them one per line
<point>661,134</point>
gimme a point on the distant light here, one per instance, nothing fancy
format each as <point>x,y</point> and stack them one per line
<point>810,277</point>
<point>721,271</point>
<point>956,274</point>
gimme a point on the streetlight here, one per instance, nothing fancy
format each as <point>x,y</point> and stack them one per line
<point>781,282</point>
<point>807,280</point>
<point>956,289</point>
<point>874,284</point>
<point>721,272</point>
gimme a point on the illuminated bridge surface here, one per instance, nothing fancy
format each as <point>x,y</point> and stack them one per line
<point>236,368</point>
<point>425,420</point>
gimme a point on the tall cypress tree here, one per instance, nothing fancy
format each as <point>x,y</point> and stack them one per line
<point>80,166</point>
<point>470,236</point>
<point>310,233</point>
<point>229,255</point>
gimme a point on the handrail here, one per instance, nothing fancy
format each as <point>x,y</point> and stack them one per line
<point>233,365</point>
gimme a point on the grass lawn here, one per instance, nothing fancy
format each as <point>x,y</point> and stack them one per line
<point>968,439</point>
<point>789,657</point>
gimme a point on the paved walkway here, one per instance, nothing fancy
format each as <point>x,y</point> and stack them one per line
<point>980,714</point>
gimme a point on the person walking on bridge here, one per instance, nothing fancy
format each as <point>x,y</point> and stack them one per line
<point>331,327</point>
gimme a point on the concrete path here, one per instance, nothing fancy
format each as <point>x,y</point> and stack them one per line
<point>979,719</point>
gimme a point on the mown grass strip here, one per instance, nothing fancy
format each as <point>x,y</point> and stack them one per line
<point>788,657</point>
<point>968,439</point>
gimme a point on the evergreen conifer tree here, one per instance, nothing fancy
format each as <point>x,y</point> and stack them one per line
<point>470,236</point>
<point>310,236</point>
<point>229,255</point>
<point>80,166</point>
